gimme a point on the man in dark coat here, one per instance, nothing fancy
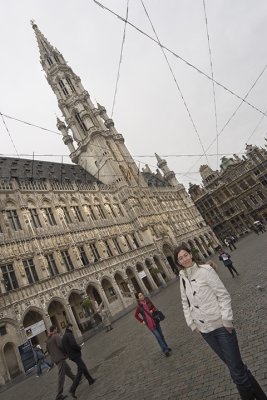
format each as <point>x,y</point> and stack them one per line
<point>73,350</point>
<point>58,356</point>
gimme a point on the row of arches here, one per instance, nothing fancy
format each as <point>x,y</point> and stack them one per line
<point>80,306</point>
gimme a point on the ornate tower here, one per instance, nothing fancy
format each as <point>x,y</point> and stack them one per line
<point>94,144</point>
<point>168,174</point>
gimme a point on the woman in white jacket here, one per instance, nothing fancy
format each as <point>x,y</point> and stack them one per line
<point>207,310</point>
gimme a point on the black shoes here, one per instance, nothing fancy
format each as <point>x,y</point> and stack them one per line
<point>92,382</point>
<point>169,349</point>
<point>73,395</point>
<point>167,354</point>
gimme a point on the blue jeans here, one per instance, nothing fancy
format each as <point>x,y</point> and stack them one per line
<point>225,345</point>
<point>157,332</point>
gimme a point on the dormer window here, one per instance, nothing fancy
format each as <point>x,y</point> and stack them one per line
<point>63,88</point>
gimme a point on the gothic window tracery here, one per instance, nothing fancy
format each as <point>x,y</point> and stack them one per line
<point>72,87</point>
<point>63,87</point>
<point>9,277</point>
<point>30,270</point>
<point>80,122</point>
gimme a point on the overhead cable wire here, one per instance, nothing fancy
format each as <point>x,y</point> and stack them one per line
<point>176,83</point>
<point>213,84</point>
<point>9,134</point>
<point>120,60</point>
<point>233,114</point>
<point>29,123</point>
<point>256,127</point>
<point>181,58</point>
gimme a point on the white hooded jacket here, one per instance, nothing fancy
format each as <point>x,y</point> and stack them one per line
<point>206,302</point>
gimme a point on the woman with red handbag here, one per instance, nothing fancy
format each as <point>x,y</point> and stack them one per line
<point>144,314</point>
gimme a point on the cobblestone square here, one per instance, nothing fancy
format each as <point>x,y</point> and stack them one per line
<point>127,361</point>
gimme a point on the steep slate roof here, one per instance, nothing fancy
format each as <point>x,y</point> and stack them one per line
<point>20,168</point>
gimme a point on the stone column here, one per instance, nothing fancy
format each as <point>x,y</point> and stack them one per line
<point>150,279</point>
<point>118,292</point>
<point>141,284</point>
<point>76,330</point>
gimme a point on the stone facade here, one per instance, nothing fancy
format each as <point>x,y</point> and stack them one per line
<point>75,236</point>
<point>231,200</point>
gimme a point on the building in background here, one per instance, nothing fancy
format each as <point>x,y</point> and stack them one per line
<point>231,200</point>
<point>73,236</point>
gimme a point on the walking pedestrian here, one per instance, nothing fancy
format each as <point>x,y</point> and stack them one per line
<point>40,360</point>
<point>58,356</point>
<point>146,308</point>
<point>207,310</point>
<point>226,259</point>
<point>229,242</point>
<point>73,350</point>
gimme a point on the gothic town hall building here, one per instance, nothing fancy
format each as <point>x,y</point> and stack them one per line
<point>73,236</point>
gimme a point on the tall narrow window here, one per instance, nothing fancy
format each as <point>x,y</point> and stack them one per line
<point>83,256</point>
<point>56,58</point>
<point>35,218</point>
<point>72,87</point>
<point>117,246</point>
<point>100,211</point>
<point>52,266</point>
<point>80,122</point>
<point>67,260</point>
<point>108,248</point>
<point>63,87</point>
<point>128,242</point>
<point>135,241</point>
<point>30,270</point>
<point>77,213</point>
<point>66,215</point>
<point>9,277</point>
<point>95,252</point>
<point>92,214</point>
<point>50,216</point>
<point>13,219</point>
<point>49,60</point>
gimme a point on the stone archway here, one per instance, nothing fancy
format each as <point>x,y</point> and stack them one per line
<point>153,271</point>
<point>32,318</point>
<point>143,277</point>
<point>168,252</point>
<point>11,360</point>
<point>109,290</point>
<point>160,267</point>
<point>132,278</point>
<point>75,302</point>
<point>94,296</point>
<point>122,285</point>
<point>58,315</point>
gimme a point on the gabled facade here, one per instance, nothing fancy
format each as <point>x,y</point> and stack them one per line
<point>232,199</point>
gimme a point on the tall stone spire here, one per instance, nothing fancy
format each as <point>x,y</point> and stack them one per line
<point>95,143</point>
<point>168,174</point>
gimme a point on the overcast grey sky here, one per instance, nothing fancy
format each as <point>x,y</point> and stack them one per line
<point>149,111</point>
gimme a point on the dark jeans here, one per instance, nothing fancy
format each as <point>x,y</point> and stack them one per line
<point>231,269</point>
<point>225,345</point>
<point>63,369</point>
<point>82,370</point>
<point>157,332</point>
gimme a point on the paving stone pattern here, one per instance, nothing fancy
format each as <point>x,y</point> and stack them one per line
<point>127,361</point>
